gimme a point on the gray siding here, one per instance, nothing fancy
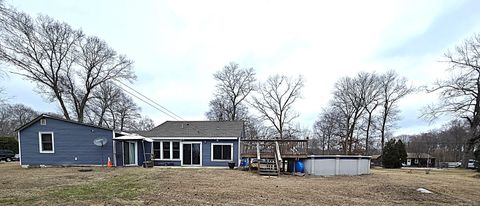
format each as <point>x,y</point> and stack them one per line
<point>70,140</point>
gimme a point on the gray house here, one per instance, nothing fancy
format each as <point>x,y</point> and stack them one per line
<point>49,140</point>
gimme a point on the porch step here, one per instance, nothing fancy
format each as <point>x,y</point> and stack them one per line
<point>267,167</point>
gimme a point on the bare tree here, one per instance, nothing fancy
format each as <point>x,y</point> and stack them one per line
<point>125,110</point>
<point>233,86</point>
<point>41,49</point>
<point>393,88</point>
<point>14,116</point>
<point>143,124</point>
<point>372,100</point>
<point>350,95</point>
<point>222,110</point>
<point>325,128</point>
<point>459,94</point>
<point>103,99</point>
<point>97,64</point>
<point>275,101</point>
<point>64,63</point>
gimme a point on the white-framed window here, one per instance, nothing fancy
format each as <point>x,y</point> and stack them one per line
<point>156,148</point>
<point>46,141</point>
<point>166,150</point>
<point>222,151</point>
<point>43,121</point>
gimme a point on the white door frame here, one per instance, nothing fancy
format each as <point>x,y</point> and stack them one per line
<point>136,153</point>
<point>181,153</point>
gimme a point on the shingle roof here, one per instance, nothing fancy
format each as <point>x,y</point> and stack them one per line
<point>57,118</point>
<point>196,129</point>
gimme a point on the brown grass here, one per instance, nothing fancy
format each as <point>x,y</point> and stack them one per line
<point>163,186</point>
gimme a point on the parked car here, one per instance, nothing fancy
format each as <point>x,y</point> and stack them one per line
<point>472,164</point>
<point>16,158</point>
<point>6,155</point>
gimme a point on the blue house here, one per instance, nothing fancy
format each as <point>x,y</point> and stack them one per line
<point>194,143</point>
<point>49,140</point>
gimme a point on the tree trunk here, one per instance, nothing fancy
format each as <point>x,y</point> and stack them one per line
<point>384,122</point>
<point>62,105</point>
<point>369,122</point>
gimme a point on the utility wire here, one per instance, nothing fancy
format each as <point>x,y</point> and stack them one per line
<point>172,113</point>
<point>163,109</point>
<point>141,99</point>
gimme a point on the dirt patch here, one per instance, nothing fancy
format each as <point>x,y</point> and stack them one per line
<point>159,186</point>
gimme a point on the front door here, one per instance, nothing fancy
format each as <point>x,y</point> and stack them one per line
<point>130,153</point>
<point>192,154</point>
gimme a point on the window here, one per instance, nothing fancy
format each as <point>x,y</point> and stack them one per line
<point>416,161</point>
<point>222,152</point>
<point>46,142</point>
<point>176,150</point>
<point>156,150</point>
<point>43,121</point>
<point>166,150</point>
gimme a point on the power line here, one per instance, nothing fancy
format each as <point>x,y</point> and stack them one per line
<point>141,99</point>
<point>164,108</point>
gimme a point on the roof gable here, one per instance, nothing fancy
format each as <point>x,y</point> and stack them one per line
<point>57,118</point>
<point>196,129</point>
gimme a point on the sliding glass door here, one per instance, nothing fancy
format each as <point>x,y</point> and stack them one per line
<point>130,153</point>
<point>192,154</point>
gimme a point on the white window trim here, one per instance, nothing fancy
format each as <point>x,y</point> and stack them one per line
<point>217,160</point>
<point>40,142</point>
<point>171,151</point>
<point>43,121</point>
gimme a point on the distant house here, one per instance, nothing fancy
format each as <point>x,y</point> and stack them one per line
<point>420,160</point>
<point>49,140</point>
<point>376,160</point>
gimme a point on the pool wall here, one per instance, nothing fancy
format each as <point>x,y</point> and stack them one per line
<point>330,165</point>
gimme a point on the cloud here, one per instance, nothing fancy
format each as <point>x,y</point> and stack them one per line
<point>178,45</point>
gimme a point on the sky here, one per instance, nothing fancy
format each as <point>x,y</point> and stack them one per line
<point>178,45</point>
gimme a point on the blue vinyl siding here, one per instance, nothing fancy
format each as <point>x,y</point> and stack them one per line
<point>167,163</point>
<point>206,153</point>
<point>73,140</point>
<point>206,150</point>
<point>70,140</point>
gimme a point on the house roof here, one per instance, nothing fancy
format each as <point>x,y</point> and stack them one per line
<point>60,119</point>
<point>419,155</point>
<point>374,157</point>
<point>196,129</point>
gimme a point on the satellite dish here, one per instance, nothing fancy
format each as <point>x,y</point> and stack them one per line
<point>100,141</point>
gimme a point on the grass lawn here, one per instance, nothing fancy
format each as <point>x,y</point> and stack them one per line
<point>185,186</point>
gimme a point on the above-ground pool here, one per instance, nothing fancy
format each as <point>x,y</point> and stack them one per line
<point>329,165</point>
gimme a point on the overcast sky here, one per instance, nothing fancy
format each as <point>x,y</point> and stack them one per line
<point>178,45</point>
